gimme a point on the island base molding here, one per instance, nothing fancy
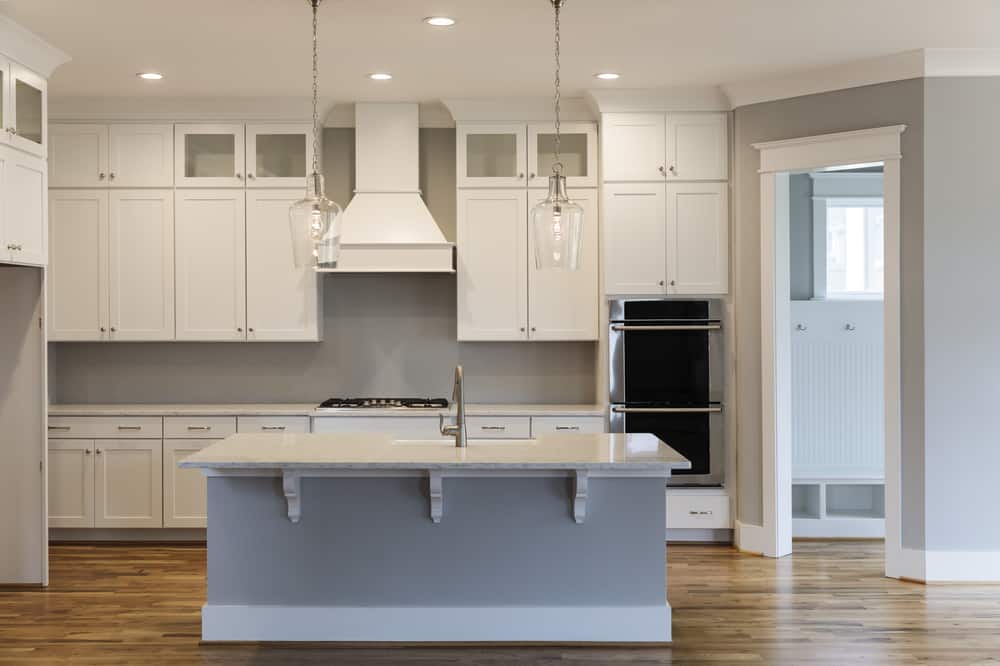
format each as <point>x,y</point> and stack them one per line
<point>493,624</point>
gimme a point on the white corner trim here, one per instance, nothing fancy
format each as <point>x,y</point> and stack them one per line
<point>906,563</point>
<point>28,49</point>
<point>869,145</point>
<point>920,63</point>
<point>590,624</point>
<point>749,538</point>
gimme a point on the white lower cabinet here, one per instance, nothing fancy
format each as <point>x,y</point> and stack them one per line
<point>501,295</point>
<point>666,238</point>
<point>210,230</point>
<point>128,483</point>
<point>71,482</point>
<point>545,425</point>
<point>185,491</point>
<point>692,509</point>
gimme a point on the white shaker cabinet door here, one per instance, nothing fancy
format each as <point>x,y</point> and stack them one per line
<point>71,482</point>
<point>635,239</point>
<point>141,155</point>
<point>633,146</point>
<point>697,146</point>
<point>141,251</point>
<point>492,237</point>
<point>128,483</point>
<point>78,276</point>
<point>24,196</point>
<point>78,155</point>
<point>210,264</point>
<point>185,491</point>
<point>697,238</point>
<point>563,305</point>
<point>282,300</point>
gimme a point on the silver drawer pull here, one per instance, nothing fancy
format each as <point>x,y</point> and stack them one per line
<point>199,427</point>
<point>272,427</point>
<point>130,427</point>
<point>666,410</point>
<point>670,327</point>
<point>699,513</point>
<point>54,427</point>
<point>492,427</point>
<point>567,427</point>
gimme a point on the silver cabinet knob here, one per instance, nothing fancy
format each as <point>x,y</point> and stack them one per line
<point>673,283</point>
<point>532,176</point>
<point>522,329</point>
<point>663,170</point>
<point>533,329</point>
<point>239,329</point>
<point>101,176</point>
<point>850,327</point>
<point>520,176</point>
<point>98,452</point>
<point>801,327</point>
<point>113,329</point>
<point>87,451</point>
<point>250,176</point>
<point>239,176</point>
<point>661,283</point>
<point>250,330</point>
<point>673,170</point>
<point>103,330</point>
<point>111,176</point>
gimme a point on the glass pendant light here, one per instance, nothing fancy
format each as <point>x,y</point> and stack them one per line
<point>557,222</point>
<point>315,220</point>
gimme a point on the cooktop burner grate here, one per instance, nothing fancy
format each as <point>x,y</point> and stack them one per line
<point>364,403</point>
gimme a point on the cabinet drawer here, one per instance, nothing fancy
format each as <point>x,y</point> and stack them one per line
<point>697,511</point>
<point>106,427</point>
<point>547,425</point>
<point>404,427</point>
<point>272,424</point>
<point>499,427</point>
<point>198,427</point>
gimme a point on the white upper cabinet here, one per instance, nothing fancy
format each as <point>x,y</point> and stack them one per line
<point>26,102</point>
<point>697,238</point>
<point>5,110</point>
<point>78,275</point>
<point>633,146</point>
<point>141,155</point>
<point>209,155</point>
<point>282,300</point>
<point>210,233</point>
<point>278,155</point>
<point>122,155</point>
<point>24,204</point>
<point>635,238</point>
<point>492,237</point>
<point>141,265</point>
<point>492,155</point>
<point>78,156</point>
<point>697,146</point>
<point>578,153</point>
<point>647,147</point>
<point>563,305</point>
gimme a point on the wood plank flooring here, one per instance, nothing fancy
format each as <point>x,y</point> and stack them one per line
<point>826,604</point>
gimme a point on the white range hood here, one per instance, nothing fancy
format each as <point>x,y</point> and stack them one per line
<point>387,228</point>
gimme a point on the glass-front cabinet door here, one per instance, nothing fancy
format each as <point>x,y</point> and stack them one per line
<point>578,153</point>
<point>209,155</point>
<point>278,155</point>
<point>491,155</point>
<point>26,110</point>
<point>5,128</point>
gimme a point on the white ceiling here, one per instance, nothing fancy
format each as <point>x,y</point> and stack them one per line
<point>260,48</point>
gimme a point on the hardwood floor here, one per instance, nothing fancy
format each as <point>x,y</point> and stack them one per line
<point>826,604</point>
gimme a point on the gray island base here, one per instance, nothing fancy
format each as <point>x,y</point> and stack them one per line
<point>357,537</point>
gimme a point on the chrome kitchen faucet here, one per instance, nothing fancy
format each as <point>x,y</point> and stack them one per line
<point>457,430</point>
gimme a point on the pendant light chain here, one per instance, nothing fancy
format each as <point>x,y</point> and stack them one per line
<point>557,166</point>
<point>315,90</point>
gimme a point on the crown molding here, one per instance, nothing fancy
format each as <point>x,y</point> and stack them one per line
<point>517,109</point>
<point>921,63</point>
<point>656,100</point>
<point>28,49</point>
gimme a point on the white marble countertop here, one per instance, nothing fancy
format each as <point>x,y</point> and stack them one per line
<point>379,451</point>
<point>302,409</point>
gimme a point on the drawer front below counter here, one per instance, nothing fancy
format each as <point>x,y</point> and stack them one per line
<point>106,427</point>
<point>402,426</point>
<point>547,425</point>
<point>199,427</point>
<point>277,424</point>
<point>697,511</point>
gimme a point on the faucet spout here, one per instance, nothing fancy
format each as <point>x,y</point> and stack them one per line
<point>457,429</point>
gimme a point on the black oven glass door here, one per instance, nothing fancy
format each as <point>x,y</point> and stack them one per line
<point>665,366</point>
<point>686,433</point>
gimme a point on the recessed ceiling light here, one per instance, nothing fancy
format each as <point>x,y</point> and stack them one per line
<point>150,76</point>
<point>439,21</point>
<point>607,76</point>
<point>380,76</point>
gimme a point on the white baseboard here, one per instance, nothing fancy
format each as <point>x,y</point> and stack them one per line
<point>839,528</point>
<point>563,624</point>
<point>949,566</point>
<point>690,535</point>
<point>750,538</point>
<point>152,534</point>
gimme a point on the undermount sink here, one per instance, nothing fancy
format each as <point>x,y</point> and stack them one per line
<point>451,442</point>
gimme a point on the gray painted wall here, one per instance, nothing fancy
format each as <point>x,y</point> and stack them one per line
<point>800,227</point>
<point>961,337</point>
<point>858,108</point>
<point>384,335</point>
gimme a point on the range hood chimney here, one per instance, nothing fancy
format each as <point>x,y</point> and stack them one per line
<point>387,228</point>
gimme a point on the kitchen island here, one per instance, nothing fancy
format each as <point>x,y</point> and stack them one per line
<point>363,537</point>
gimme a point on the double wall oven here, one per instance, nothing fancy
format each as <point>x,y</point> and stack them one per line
<point>667,376</point>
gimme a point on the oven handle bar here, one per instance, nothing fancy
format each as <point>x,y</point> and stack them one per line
<point>669,327</point>
<point>666,410</point>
